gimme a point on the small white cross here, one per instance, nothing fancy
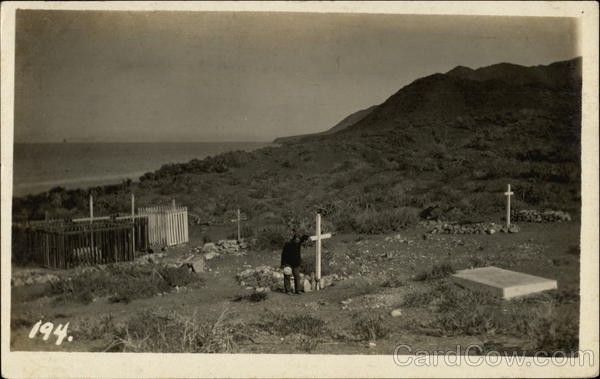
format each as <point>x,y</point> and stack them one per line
<point>318,237</point>
<point>239,219</point>
<point>508,194</point>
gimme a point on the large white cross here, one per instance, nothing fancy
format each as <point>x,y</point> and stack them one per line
<point>508,193</point>
<point>318,237</point>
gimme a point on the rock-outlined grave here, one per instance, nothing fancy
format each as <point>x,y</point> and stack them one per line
<point>267,278</point>
<point>503,283</point>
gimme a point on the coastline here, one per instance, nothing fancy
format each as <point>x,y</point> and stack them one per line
<point>31,177</point>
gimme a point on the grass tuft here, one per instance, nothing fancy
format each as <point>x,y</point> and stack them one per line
<point>438,271</point>
<point>369,327</point>
<point>254,297</point>
<point>283,324</point>
<point>122,284</point>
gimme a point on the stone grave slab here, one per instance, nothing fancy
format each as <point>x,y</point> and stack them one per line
<point>503,283</point>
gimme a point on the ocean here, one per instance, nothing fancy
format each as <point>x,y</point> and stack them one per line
<point>39,167</point>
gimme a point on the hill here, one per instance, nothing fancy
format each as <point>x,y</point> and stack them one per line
<point>346,122</point>
<point>449,142</point>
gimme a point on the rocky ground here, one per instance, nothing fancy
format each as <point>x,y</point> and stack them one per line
<point>379,291</point>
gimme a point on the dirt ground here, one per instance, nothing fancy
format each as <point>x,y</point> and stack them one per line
<point>539,249</point>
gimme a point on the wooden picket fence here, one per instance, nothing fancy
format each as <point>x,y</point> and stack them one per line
<point>167,225</point>
<point>66,244</point>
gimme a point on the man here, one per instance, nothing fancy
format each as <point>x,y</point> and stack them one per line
<point>290,263</point>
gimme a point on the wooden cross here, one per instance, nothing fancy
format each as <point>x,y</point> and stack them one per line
<point>508,193</point>
<point>318,237</point>
<point>239,219</point>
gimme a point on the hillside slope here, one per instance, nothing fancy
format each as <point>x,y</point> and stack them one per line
<point>447,141</point>
<point>346,122</point>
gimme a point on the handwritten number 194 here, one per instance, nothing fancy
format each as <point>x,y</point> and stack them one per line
<point>46,330</point>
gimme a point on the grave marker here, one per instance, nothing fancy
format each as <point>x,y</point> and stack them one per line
<point>503,283</point>
<point>318,237</point>
<point>133,223</point>
<point>239,220</point>
<point>508,194</point>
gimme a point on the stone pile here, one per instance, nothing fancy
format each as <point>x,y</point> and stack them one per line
<point>266,278</point>
<point>441,227</point>
<point>530,215</point>
<point>148,259</point>
<point>213,250</point>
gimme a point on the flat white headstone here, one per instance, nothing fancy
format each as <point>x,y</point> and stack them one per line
<point>502,283</point>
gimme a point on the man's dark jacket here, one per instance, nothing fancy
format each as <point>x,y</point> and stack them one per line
<point>291,253</point>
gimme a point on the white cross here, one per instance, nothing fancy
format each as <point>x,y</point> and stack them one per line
<point>239,219</point>
<point>318,237</point>
<point>508,193</point>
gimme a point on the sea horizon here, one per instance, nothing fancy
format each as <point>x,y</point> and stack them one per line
<point>41,166</point>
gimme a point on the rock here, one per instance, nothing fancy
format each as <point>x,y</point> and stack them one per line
<point>198,264</point>
<point>307,286</point>
<point>513,228</point>
<point>209,247</point>
<point>211,255</point>
<point>396,313</point>
<point>346,302</point>
<point>372,344</point>
<point>324,282</point>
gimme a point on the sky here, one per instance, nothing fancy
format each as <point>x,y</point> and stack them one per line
<point>106,76</point>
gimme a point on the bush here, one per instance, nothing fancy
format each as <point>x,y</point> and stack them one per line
<point>179,277</point>
<point>373,222</point>
<point>284,325</point>
<point>369,327</point>
<point>122,283</point>
<point>551,326</point>
<point>254,297</point>
<point>150,331</point>
<point>438,271</point>
<point>272,237</point>
<point>553,329</point>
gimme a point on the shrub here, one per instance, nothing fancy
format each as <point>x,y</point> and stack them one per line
<point>122,283</point>
<point>553,329</point>
<point>150,331</point>
<point>369,327</point>
<point>308,343</point>
<point>179,277</point>
<point>459,311</point>
<point>373,222</point>
<point>272,237</point>
<point>254,297</point>
<point>438,271</point>
<point>95,328</point>
<point>284,325</point>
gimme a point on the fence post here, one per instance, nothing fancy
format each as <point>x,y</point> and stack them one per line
<point>132,225</point>
<point>92,221</point>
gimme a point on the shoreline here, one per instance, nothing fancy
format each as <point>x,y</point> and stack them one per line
<point>26,187</point>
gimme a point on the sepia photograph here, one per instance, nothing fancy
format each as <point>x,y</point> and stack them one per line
<point>254,183</point>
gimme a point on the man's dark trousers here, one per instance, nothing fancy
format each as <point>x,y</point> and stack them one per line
<point>286,280</point>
